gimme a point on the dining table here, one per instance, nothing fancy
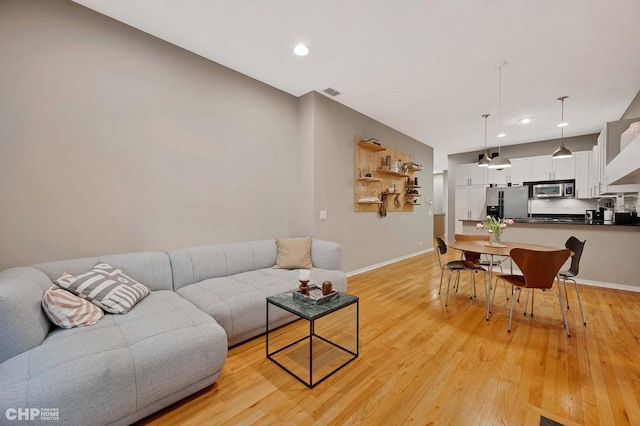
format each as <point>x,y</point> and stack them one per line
<point>503,249</point>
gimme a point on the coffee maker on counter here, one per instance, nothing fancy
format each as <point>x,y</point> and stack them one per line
<point>625,211</point>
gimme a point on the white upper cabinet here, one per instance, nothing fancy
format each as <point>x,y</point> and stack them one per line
<point>470,174</point>
<point>519,172</point>
<point>564,168</point>
<point>583,166</point>
<point>546,168</point>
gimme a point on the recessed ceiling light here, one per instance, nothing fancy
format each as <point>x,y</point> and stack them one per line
<point>563,124</point>
<point>501,135</point>
<point>301,50</point>
<point>525,120</point>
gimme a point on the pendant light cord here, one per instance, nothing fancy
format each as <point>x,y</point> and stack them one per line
<point>562,118</point>
<point>500,110</point>
<point>485,132</point>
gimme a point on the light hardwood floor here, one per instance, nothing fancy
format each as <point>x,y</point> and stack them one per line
<point>423,363</point>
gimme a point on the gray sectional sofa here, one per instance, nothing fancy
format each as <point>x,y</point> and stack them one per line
<point>171,344</point>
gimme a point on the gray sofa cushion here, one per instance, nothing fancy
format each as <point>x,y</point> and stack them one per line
<point>120,366</point>
<point>23,324</point>
<point>238,302</point>
<point>194,264</point>
<point>326,255</point>
<point>153,269</point>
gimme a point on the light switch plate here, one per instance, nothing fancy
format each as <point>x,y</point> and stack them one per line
<point>323,215</point>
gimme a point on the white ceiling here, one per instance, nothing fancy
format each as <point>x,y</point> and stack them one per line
<point>424,67</point>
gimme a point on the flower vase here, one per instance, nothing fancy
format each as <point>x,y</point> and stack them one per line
<point>496,238</point>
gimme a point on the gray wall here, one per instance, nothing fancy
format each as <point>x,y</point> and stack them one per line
<point>634,108</point>
<point>112,140</point>
<point>366,237</point>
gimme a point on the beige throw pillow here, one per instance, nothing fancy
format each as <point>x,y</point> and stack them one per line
<point>67,310</point>
<point>293,253</point>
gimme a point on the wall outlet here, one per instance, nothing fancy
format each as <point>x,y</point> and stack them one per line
<point>420,243</point>
<point>323,215</point>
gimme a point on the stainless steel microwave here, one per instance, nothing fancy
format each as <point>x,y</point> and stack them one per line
<point>553,190</point>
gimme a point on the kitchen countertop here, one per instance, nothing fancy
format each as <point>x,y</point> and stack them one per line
<point>565,220</point>
<point>561,221</point>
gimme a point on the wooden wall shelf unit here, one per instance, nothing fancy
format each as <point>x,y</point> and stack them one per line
<point>370,146</point>
<point>372,179</point>
<point>396,174</point>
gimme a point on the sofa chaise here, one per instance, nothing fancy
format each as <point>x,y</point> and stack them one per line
<point>171,344</point>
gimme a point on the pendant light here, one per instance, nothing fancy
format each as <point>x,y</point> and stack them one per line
<point>500,162</point>
<point>562,151</point>
<point>485,160</point>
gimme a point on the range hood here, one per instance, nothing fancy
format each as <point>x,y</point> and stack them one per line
<point>624,169</point>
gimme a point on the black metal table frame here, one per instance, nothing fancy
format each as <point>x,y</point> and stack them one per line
<point>310,384</point>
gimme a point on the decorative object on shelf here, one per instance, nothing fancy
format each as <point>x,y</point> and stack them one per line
<point>327,287</point>
<point>500,162</point>
<point>485,160</point>
<point>562,151</point>
<point>495,226</point>
<point>372,140</point>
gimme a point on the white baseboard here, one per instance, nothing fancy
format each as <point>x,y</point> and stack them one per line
<point>592,283</point>
<point>387,262</point>
<point>612,286</point>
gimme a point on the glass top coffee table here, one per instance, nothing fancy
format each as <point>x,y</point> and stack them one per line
<point>319,356</point>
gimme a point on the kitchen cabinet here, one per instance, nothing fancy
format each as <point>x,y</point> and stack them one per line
<point>594,171</point>
<point>519,172</point>
<point>546,168</point>
<point>471,202</point>
<point>470,174</point>
<point>583,165</point>
<point>607,149</point>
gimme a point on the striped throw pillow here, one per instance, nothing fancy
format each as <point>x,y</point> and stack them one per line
<point>67,310</point>
<point>107,287</point>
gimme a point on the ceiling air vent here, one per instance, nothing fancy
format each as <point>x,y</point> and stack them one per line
<point>330,91</point>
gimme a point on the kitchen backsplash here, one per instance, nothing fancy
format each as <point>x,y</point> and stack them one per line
<point>561,206</point>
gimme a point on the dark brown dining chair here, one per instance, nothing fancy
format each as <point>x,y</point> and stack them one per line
<point>539,270</point>
<point>497,263</point>
<point>476,257</point>
<point>456,265</point>
<point>576,246</point>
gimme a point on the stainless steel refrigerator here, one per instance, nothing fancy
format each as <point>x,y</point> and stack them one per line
<point>510,202</point>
